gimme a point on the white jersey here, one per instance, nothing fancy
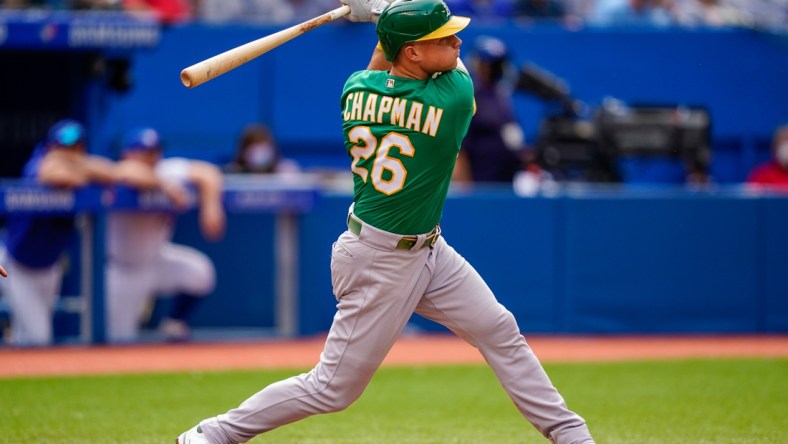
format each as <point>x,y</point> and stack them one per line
<point>142,262</point>
<point>136,237</point>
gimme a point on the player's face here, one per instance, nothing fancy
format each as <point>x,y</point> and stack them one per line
<point>439,55</point>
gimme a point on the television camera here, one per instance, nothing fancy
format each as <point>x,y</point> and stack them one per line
<point>574,144</point>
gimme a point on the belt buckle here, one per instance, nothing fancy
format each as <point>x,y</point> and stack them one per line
<point>433,236</point>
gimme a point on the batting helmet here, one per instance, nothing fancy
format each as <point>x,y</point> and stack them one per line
<point>141,139</point>
<point>66,133</point>
<point>406,21</point>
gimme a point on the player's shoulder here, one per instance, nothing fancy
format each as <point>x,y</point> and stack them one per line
<point>457,76</point>
<point>173,168</point>
<point>364,77</point>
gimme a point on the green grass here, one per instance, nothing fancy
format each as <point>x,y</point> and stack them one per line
<point>695,401</point>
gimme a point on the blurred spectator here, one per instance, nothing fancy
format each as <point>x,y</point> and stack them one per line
<point>247,11</point>
<point>713,13</point>
<point>631,13</point>
<point>481,9</point>
<point>258,152</point>
<point>18,4</point>
<point>142,262</point>
<point>168,11</point>
<point>35,244</point>
<point>308,9</point>
<point>539,9</point>
<point>774,173</point>
<point>494,148</point>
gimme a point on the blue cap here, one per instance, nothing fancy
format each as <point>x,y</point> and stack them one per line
<point>66,133</point>
<point>490,48</point>
<point>141,139</point>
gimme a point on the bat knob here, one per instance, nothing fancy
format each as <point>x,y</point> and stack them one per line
<point>186,78</point>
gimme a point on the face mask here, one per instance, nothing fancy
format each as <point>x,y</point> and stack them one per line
<point>782,154</point>
<point>260,155</point>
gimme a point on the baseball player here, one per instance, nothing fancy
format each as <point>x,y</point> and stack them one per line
<point>36,243</point>
<point>142,262</point>
<point>404,120</point>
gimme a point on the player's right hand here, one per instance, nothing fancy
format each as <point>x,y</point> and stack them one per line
<point>177,195</point>
<point>365,10</point>
<point>212,221</point>
<point>3,272</point>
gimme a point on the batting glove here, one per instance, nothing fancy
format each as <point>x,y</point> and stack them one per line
<point>365,10</point>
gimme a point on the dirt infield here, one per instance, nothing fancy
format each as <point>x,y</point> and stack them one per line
<point>409,350</point>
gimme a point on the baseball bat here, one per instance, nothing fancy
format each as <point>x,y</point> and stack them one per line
<point>219,64</point>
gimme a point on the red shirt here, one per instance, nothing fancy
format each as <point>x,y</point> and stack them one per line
<point>769,174</point>
<point>168,10</point>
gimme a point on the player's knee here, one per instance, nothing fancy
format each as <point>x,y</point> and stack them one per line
<point>340,398</point>
<point>494,320</point>
<point>336,393</point>
<point>203,278</point>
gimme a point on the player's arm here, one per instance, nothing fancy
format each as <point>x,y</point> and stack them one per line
<point>462,169</point>
<point>140,175</point>
<point>369,11</point>
<point>100,169</point>
<point>137,174</point>
<point>378,61</point>
<point>209,181</point>
<point>73,169</point>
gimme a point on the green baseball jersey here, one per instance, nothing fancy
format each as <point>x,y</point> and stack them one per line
<point>403,136</point>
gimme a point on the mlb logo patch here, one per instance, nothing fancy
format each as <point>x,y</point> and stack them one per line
<point>389,83</point>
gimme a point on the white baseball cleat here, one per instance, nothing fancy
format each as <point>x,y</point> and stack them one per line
<point>192,436</point>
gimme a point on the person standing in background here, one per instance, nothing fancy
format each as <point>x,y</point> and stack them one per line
<point>167,11</point>
<point>142,262</point>
<point>493,151</point>
<point>35,244</point>
<point>258,152</point>
<point>774,173</point>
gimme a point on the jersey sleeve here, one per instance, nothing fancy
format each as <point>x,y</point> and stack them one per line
<point>173,169</point>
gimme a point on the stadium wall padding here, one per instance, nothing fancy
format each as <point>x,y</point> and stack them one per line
<point>664,263</point>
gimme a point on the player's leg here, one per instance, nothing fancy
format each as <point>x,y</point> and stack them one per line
<point>129,288</point>
<point>459,299</point>
<point>376,292</point>
<point>31,297</point>
<point>189,275</point>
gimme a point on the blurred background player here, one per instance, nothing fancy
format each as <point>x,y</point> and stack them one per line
<point>142,262</point>
<point>494,148</point>
<point>35,244</point>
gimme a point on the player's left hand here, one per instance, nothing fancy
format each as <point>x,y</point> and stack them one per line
<point>365,10</point>
<point>3,272</point>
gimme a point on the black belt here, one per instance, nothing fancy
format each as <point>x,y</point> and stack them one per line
<point>405,242</point>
